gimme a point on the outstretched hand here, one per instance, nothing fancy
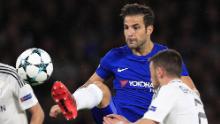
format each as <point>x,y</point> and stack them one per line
<point>115,119</point>
<point>54,111</point>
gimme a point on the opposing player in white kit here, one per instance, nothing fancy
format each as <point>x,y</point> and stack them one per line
<point>15,98</point>
<point>173,102</point>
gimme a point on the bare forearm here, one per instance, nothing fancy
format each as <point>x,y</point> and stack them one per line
<point>37,119</point>
<point>189,82</point>
<point>37,114</point>
<point>145,121</point>
<point>92,79</point>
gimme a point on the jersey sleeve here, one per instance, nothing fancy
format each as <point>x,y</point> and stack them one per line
<point>104,68</point>
<point>184,70</point>
<point>24,93</point>
<point>162,104</point>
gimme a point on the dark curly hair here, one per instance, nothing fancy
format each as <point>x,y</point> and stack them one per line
<point>138,9</point>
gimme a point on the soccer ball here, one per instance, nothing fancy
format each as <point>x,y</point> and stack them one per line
<point>34,65</point>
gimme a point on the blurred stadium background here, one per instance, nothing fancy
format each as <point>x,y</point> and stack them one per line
<point>77,33</point>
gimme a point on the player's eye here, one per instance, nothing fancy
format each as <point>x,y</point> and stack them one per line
<point>125,27</point>
<point>136,27</point>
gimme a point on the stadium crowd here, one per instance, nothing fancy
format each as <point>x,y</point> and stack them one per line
<point>78,33</point>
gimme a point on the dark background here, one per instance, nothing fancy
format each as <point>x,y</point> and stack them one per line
<point>77,33</point>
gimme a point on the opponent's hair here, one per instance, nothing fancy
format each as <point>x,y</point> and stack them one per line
<point>170,60</point>
<point>138,9</point>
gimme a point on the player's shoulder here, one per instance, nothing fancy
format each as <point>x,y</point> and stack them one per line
<point>172,87</point>
<point>160,47</point>
<point>6,67</point>
<point>177,87</point>
<point>118,51</point>
<point>11,73</point>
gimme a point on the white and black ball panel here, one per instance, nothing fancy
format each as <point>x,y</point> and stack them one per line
<point>34,65</point>
<point>32,71</point>
<point>22,73</point>
<point>45,57</point>
<point>49,68</point>
<point>23,56</point>
<point>34,58</point>
<point>42,76</point>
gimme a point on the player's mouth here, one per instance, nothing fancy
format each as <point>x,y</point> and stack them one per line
<point>131,40</point>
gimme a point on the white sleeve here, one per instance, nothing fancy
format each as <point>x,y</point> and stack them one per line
<point>162,104</point>
<point>24,93</point>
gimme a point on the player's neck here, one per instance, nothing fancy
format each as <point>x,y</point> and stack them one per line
<point>167,80</point>
<point>144,49</point>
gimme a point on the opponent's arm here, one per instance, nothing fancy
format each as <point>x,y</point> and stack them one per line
<point>146,121</point>
<point>94,78</point>
<point>189,82</point>
<point>118,119</point>
<point>37,114</point>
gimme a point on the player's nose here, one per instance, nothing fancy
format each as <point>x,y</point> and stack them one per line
<point>130,33</point>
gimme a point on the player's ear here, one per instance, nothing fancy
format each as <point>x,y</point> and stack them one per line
<point>159,72</point>
<point>149,29</point>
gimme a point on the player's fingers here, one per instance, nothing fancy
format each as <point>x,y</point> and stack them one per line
<point>107,120</point>
<point>119,117</point>
<point>54,111</point>
<point>52,114</point>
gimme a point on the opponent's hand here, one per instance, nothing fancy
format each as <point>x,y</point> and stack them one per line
<point>54,111</point>
<point>115,119</point>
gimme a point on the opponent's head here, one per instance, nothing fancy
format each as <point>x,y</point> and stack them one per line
<point>167,63</point>
<point>138,24</point>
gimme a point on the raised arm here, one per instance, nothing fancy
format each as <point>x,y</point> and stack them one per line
<point>146,121</point>
<point>118,119</point>
<point>189,82</point>
<point>94,78</point>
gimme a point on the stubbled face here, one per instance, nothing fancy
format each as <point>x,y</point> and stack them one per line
<point>135,31</point>
<point>154,77</point>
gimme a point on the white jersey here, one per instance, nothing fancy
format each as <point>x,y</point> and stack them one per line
<point>176,103</point>
<point>15,97</point>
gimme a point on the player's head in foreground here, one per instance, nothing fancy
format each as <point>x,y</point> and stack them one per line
<point>138,24</point>
<point>165,65</point>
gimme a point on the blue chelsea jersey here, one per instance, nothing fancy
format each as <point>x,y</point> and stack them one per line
<point>132,81</point>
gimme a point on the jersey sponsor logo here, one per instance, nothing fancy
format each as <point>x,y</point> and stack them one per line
<point>26,97</point>
<point>152,108</point>
<point>141,84</point>
<point>123,82</point>
<point>121,69</point>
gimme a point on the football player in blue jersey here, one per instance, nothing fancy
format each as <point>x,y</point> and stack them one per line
<point>129,66</point>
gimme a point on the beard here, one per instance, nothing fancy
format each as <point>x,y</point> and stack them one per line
<point>135,43</point>
<point>132,43</point>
